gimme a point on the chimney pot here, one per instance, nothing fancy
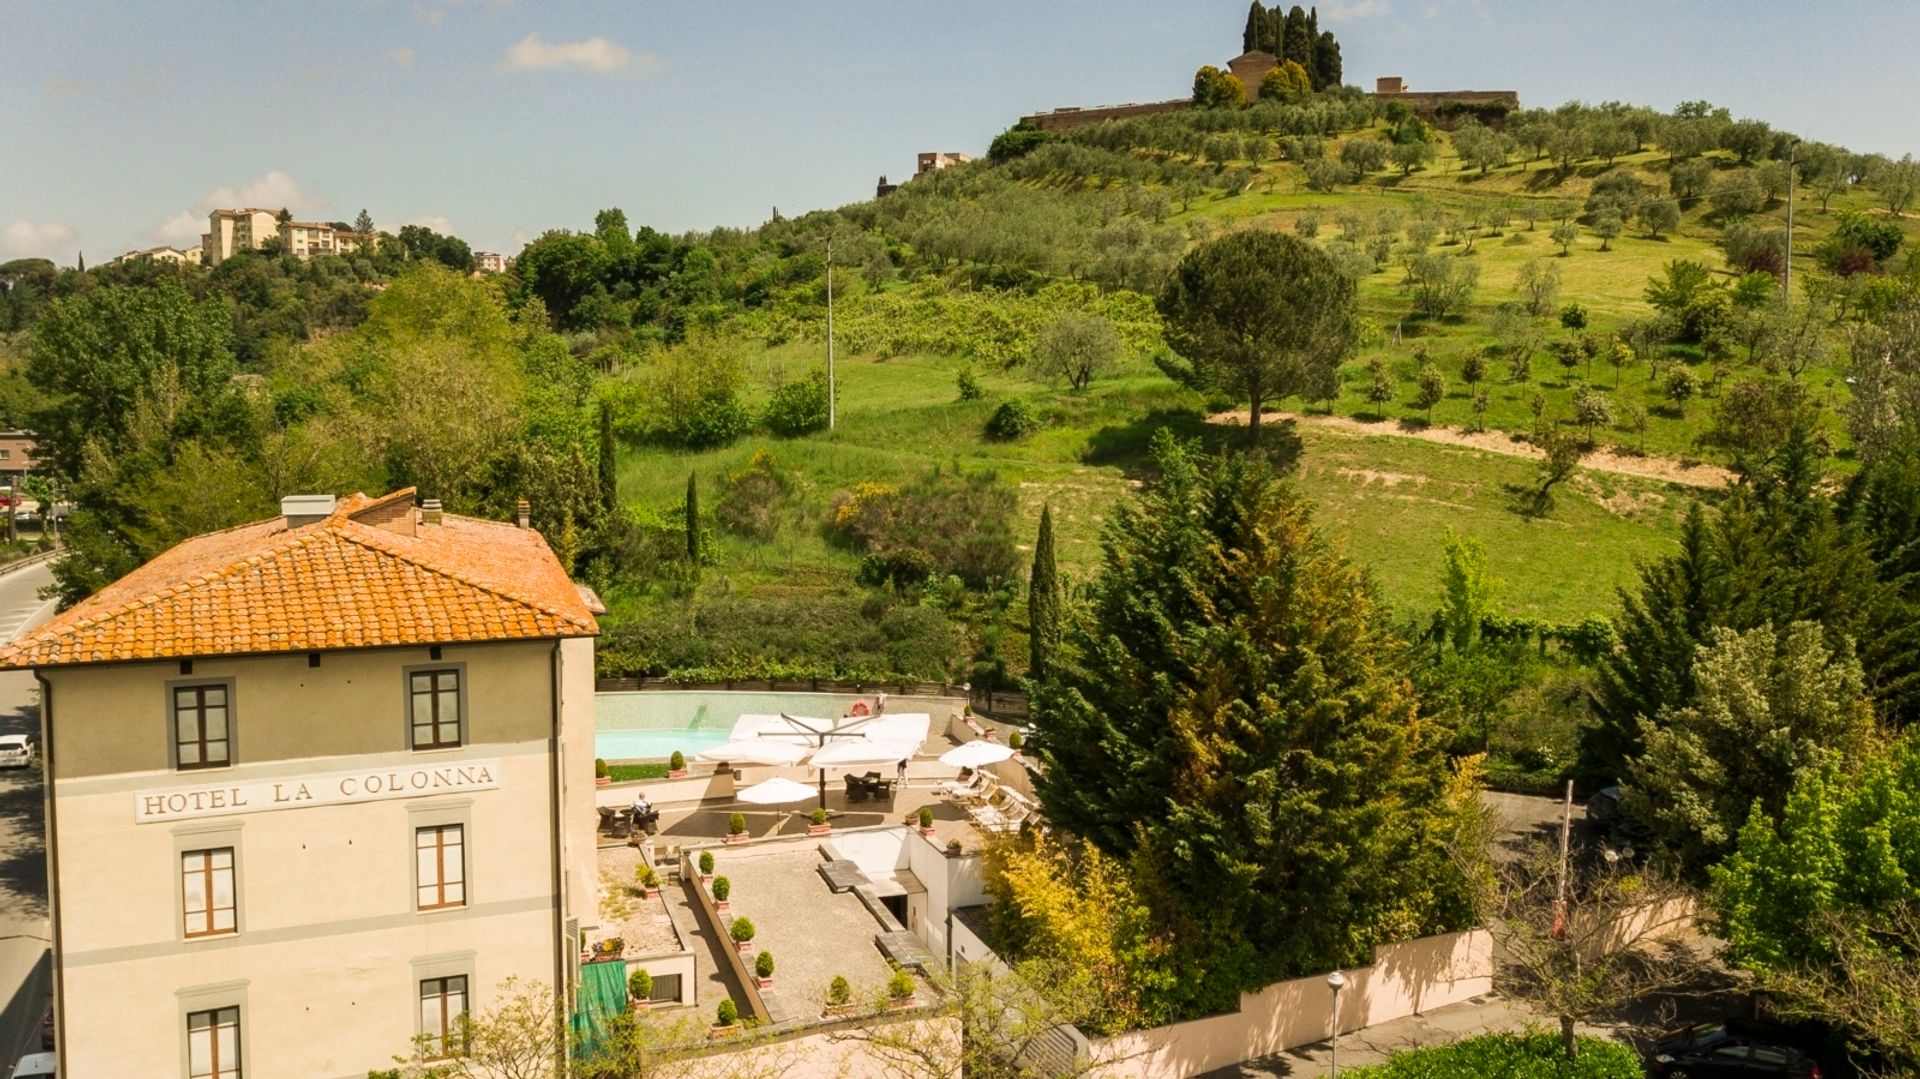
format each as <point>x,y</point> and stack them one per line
<point>523,513</point>
<point>430,511</point>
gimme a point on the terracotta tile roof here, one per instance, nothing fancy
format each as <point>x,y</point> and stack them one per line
<point>370,574</point>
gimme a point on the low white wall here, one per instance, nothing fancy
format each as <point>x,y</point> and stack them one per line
<point>878,853</point>
<point>1404,979</point>
<point>668,792</point>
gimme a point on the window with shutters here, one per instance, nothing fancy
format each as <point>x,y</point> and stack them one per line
<point>207,892</point>
<point>440,860</point>
<point>435,708</point>
<point>213,1044</point>
<point>202,726</point>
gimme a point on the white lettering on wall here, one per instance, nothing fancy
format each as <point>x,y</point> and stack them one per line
<point>333,788</point>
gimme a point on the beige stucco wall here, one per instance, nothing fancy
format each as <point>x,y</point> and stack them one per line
<point>330,950</point>
<point>576,778</point>
<point>1404,979</point>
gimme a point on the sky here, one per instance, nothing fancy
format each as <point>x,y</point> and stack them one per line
<point>122,124</point>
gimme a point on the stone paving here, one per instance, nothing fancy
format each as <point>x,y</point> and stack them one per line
<point>641,922</point>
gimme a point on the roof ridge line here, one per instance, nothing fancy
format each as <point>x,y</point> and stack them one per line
<point>441,571</point>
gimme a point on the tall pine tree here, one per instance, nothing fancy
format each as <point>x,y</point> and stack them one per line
<point>692,510</point>
<point>1231,715</point>
<point>1255,34</point>
<point>1043,602</point>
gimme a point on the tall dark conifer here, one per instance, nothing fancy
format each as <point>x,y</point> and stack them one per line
<point>693,520</point>
<point>1295,43</point>
<point>1043,602</point>
<point>1255,33</point>
<point>609,470</point>
<point>1326,59</point>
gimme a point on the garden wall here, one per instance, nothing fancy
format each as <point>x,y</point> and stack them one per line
<point>1404,979</point>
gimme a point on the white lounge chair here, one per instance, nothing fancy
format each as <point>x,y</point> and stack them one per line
<point>974,787</point>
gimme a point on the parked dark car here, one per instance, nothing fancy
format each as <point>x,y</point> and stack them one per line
<point>1728,1051</point>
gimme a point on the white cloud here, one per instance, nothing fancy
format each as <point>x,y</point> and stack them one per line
<point>29,239</point>
<point>1345,10</point>
<point>435,222</point>
<point>273,191</point>
<point>595,54</point>
<point>402,56</point>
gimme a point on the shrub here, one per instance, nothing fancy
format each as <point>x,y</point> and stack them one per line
<point>839,992</point>
<point>640,985</point>
<point>599,768</point>
<point>706,863</point>
<point>763,964</point>
<point>819,816</point>
<point>926,817</point>
<point>858,637</point>
<point>1015,741</point>
<point>900,986</point>
<point>962,519</point>
<point>728,1013</point>
<point>1511,1056</point>
<point>1012,421</point>
<point>753,500</point>
<point>742,930</point>
<point>647,877</point>
<point>799,407</point>
<point>736,824</point>
<point>722,888</point>
<point>969,385</point>
<point>1573,317</point>
<point>677,762</point>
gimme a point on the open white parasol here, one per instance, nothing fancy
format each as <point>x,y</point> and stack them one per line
<point>975,754</point>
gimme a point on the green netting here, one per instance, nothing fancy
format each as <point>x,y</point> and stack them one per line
<point>602,995</point>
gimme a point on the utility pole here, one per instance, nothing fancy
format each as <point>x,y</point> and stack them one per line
<point>1560,891</point>
<point>830,387</point>
<point>1793,151</point>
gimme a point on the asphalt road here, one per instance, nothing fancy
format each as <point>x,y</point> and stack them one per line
<point>25,979</point>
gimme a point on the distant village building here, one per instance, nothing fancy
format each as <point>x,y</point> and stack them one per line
<point>172,255</point>
<point>305,239</point>
<point>489,262</point>
<point>882,189</point>
<point>316,786</point>
<point>933,162</point>
<point>16,457</point>
<point>232,231</point>
<point>1250,68</point>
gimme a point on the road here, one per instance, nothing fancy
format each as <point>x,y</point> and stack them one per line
<point>25,981</point>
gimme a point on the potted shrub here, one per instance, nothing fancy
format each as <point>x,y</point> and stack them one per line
<point>640,990</point>
<point>954,850</point>
<point>649,881</point>
<point>722,889</point>
<point>706,866</point>
<point>736,828</point>
<point>839,999</point>
<point>926,821</point>
<point>677,765</point>
<point>900,990</point>
<point>742,934</point>
<point>819,825</point>
<point>600,776</point>
<point>1014,741</point>
<point>728,1018</point>
<point>763,969</point>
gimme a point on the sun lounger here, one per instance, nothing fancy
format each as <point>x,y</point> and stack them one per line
<point>973,787</point>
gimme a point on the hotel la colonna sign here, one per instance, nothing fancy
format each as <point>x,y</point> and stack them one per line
<point>298,792</point>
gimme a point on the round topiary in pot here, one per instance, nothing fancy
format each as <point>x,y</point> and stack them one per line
<point>640,986</point>
<point>819,816</point>
<point>706,863</point>
<point>900,987</point>
<point>736,824</point>
<point>677,762</point>
<point>722,889</point>
<point>926,817</point>
<point>742,931</point>
<point>763,965</point>
<point>728,1013</point>
<point>839,993</point>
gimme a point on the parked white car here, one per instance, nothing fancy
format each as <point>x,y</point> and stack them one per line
<point>36,1066</point>
<point>16,751</point>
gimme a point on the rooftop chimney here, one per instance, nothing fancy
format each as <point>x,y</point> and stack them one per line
<point>306,509</point>
<point>523,513</point>
<point>430,511</point>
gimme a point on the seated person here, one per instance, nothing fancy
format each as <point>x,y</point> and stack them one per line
<point>642,809</point>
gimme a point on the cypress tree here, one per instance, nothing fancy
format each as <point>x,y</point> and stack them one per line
<point>1326,58</point>
<point>693,520</point>
<point>1254,34</point>
<point>1297,44</point>
<point>609,472</point>
<point>1043,602</point>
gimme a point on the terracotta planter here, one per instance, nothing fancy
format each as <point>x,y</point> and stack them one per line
<point>764,983</point>
<point>734,839</point>
<point>746,948</point>
<point>836,1011</point>
<point>650,893</point>
<point>602,781</point>
<point>895,1004</point>
<point>642,1005</point>
<point>676,773</point>
<point>926,833</point>
<point>718,1033</point>
<point>819,829</point>
<point>722,906</point>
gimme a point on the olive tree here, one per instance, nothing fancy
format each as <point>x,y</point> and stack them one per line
<point>1258,314</point>
<point>1076,347</point>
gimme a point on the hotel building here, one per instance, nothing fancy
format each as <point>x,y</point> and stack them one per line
<point>315,786</point>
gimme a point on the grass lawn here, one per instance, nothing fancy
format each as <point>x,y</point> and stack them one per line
<point>1389,499</point>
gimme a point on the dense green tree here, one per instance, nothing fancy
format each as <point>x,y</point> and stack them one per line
<point>1076,348</point>
<point>1043,602</point>
<point>609,472</point>
<point>1255,313</point>
<point>691,511</point>
<point>1767,707</point>
<point>1658,216</point>
<point>1217,89</point>
<point>1363,155</point>
<point>1430,388</point>
<point>1822,900</point>
<point>1229,714</point>
<point>1326,60</point>
<point>363,223</point>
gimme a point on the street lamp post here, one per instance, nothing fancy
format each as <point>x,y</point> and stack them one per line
<point>1336,982</point>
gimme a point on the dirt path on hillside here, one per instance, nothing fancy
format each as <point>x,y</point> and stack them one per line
<point>1664,469</point>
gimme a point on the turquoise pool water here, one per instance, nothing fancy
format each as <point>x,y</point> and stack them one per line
<point>651,725</point>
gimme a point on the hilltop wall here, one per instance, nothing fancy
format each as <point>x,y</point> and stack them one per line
<point>1065,119</point>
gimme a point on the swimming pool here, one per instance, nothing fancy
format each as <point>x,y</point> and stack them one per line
<point>651,724</point>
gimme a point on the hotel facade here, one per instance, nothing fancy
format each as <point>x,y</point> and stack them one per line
<point>315,787</point>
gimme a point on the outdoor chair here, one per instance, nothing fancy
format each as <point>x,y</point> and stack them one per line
<point>954,788</point>
<point>606,818</point>
<point>881,788</point>
<point>856,790</point>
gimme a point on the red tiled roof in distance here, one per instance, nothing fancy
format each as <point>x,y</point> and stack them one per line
<point>369,575</point>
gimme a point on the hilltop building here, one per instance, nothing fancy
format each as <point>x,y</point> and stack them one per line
<point>489,262</point>
<point>173,255</point>
<point>1249,68</point>
<point>1489,106</point>
<point>316,786</point>
<point>232,231</point>
<point>933,162</point>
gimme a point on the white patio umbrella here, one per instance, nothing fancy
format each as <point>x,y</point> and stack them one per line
<point>776,791</point>
<point>802,730</point>
<point>976,753</point>
<point>754,751</point>
<point>853,751</point>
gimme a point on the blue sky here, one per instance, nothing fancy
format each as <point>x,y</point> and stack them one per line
<point>121,123</point>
